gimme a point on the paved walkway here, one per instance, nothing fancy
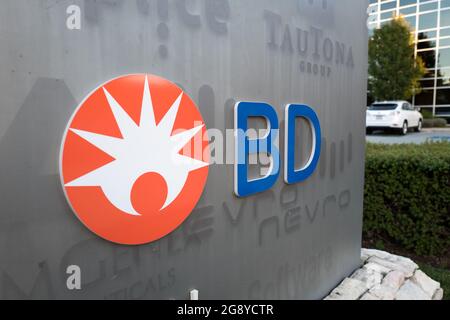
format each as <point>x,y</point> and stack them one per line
<point>428,135</point>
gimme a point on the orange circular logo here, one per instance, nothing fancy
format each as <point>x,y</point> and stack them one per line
<point>134,159</point>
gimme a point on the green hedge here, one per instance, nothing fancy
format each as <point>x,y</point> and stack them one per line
<point>427,114</point>
<point>434,123</point>
<point>407,196</point>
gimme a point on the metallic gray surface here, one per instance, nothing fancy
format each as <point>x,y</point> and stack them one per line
<point>292,242</point>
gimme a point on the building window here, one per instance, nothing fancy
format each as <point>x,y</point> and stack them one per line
<point>430,23</point>
<point>425,98</point>
<point>443,96</point>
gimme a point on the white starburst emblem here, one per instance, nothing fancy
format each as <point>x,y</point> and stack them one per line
<point>145,148</point>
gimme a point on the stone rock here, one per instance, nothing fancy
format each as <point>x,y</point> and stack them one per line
<point>411,291</point>
<point>349,289</point>
<point>364,257</point>
<point>375,253</point>
<point>377,268</point>
<point>383,292</point>
<point>369,296</point>
<point>369,276</point>
<point>394,280</point>
<point>407,263</point>
<point>406,268</point>
<point>384,276</point>
<point>426,283</point>
<point>439,295</point>
<point>398,260</point>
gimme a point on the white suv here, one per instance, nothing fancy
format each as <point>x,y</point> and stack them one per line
<point>398,115</point>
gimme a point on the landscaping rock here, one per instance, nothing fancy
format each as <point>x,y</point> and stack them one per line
<point>411,291</point>
<point>369,276</point>
<point>377,268</point>
<point>402,266</point>
<point>375,253</point>
<point>349,289</point>
<point>397,260</point>
<point>369,296</point>
<point>439,295</point>
<point>425,283</point>
<point>394,280</point>
<point>383,292</point>
<point>384,276</point>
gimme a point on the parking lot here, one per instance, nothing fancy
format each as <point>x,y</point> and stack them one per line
<point>427,135</point>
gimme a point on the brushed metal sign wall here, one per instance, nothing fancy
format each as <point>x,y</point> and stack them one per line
<point>291,242</point>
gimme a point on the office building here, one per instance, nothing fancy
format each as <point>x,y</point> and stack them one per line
<point>430,24</point>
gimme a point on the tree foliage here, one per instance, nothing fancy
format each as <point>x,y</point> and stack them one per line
<point>394,72</point>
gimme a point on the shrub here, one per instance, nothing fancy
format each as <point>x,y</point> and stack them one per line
<point>427,114</point>
<point>434,123</point>
<point>407,196</point>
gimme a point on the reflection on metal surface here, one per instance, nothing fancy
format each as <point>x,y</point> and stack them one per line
<point>323,10</point>
<point>319,52</point>
<point>290,242</point>
<point>289,280</point>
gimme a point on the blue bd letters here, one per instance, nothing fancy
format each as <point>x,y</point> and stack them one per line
<point>244,146</point>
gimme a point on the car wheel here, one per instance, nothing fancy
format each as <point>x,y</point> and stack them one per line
<point>419,126</point>
<point>404,129</point>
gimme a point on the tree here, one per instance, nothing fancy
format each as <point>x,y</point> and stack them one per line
<point>394,72</point>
